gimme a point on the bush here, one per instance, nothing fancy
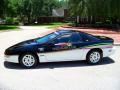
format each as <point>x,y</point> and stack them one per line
<point>16,21</point>
<point>9,21</point>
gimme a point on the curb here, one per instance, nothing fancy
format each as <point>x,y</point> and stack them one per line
<point>116,44</point>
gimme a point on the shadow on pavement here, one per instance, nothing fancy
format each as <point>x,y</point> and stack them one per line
<point>53,65</point>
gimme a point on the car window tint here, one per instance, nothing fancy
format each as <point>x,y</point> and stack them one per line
<point>88,37</point>
<point>76,38</point>
<point>92,38</point>
<point>63,39</point>
<point>46,38</point>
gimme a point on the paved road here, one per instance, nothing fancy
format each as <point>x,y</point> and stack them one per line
<point>57,76</point>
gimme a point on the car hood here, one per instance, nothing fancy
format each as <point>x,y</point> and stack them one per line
<point>24,43</point>
<point>29,45</point>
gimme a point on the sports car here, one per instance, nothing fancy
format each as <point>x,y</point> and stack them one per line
<point>62,45</point>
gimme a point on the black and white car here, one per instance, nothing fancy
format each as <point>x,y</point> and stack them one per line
<point>62,45</point>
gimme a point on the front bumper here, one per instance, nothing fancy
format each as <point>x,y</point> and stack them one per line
<point>12,58</point>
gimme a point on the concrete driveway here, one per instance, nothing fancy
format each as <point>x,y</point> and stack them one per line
<point>56,76</point>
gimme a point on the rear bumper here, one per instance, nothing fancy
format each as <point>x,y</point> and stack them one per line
<point>11,58</point>
<point>113,50</point>
<point>108,51</point>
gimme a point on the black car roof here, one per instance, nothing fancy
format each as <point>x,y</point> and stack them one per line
<point>66,31</point>
<point>72,31</point>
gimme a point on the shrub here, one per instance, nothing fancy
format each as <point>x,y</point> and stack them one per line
<point>9,20</point>
<point>16,21</point>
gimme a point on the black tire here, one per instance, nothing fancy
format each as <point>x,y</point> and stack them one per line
<point>91,60</point>
<point>33,63</point>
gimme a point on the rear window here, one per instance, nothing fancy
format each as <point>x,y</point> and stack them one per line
<point>88,37</point>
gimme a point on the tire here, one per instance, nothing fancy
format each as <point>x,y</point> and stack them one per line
<point>94,57</point>
<point>28,60</point>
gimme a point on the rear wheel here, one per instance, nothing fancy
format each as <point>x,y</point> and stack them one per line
<point>94,57</point>
<point>28,60</point>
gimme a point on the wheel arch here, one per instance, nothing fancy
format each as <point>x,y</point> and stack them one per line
<point>33,53</point>
<point>95,49</point>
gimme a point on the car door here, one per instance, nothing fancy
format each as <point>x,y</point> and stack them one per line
<point>66,48</point>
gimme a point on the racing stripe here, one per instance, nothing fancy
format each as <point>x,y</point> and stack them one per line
<point>102,45</point>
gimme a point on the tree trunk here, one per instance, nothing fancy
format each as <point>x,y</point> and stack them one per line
<point>91,19</point>
<point>78,19</point>
<point>29,19</point>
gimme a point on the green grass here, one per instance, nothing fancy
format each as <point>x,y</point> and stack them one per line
<point>50,25</point>
<point>14,27</point>
<point>8,27</point>
<point>55,25</point>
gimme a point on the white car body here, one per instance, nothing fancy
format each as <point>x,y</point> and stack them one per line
<point>68,55</point>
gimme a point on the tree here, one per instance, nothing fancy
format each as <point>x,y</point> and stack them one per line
<point>27,9</point>
<point>102,9</point>
<point>2,7</point>
<point>77,8</point>
<point>115,10</point>
<point>32,9</point>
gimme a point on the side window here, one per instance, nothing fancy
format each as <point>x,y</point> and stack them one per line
<point>85,38</point>
<point>88,38</point>
<point>76,38</point>
<point>63,39</point>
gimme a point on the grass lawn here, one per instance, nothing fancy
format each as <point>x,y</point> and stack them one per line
<point>8,27</point>
<point>55,25</point>
<point>50,25</point>
<point>4,28</point>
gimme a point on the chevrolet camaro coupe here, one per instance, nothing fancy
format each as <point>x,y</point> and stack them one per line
<point>62,45</point>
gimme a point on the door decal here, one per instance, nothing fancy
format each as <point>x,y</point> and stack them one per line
<point>63,46</point>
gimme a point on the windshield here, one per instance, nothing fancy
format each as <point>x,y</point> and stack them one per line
<point>46,38</point>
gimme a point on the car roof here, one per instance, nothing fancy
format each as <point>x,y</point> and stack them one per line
<point>72,31</point>
<point>66,31</point>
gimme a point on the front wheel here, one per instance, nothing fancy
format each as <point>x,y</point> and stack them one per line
<point>94,57</point>
<point>28,60</point>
